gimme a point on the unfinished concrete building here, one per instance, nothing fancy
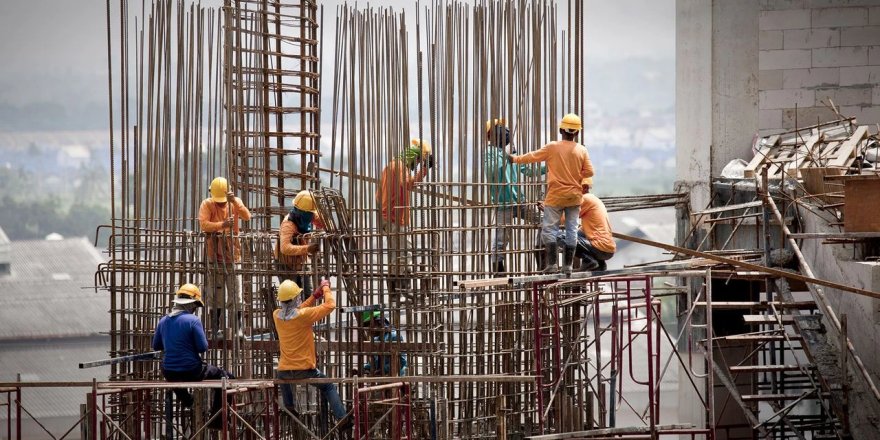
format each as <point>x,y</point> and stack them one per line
<point>771,286</point>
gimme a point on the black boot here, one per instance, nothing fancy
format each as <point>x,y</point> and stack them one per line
<point>568,259</point>
<point>588,264</point>
<point>550,257</point>
<point>239,325</point>
<point>498,270</point>
<point>603,266</point>
<point>216,329</point>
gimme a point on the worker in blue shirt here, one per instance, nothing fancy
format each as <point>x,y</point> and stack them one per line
<point>181,337</point>
<point>379,329</point>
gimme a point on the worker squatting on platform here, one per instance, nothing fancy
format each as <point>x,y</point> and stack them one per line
<point>378,329</point>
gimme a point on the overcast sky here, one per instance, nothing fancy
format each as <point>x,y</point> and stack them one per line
<point>70,35</point>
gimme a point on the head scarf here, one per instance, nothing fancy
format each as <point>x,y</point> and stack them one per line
<point>302,220</point>
<point>289,309</point>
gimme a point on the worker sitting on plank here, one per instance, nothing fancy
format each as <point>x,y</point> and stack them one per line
<point>293,248</point>
<point>507,197</point>
<point>595,234</point>
<point>379,329</point>
<point>182,338</point>
<point>567,164</point>
<point>293,322</point>
<point>219,217</point>
<point>393,198</point>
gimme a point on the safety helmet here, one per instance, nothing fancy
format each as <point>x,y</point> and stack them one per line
<point>304,201</point>
<point>188,294</point>
<point>369,316</point>
<point>571,121</point>
<point>219,188</point>
<point>288,290</point>
<point>587,181</point>
<point>493,122</point>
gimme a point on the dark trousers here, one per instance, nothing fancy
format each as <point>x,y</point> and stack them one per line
<point>197,375</point>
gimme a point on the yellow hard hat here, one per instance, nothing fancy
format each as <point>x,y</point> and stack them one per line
<point>571,121</point>
<point>426,147</point>
<point>304,201</point>
<point>219,188</point>
<point>187,294</point>
<point>493,122</point>
<point>288,290</point>
<point>587,181</point>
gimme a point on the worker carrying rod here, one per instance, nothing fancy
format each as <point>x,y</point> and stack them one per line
<point>181,337</point>
<point>567,164</point>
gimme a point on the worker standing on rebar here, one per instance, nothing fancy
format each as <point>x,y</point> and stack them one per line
<point>296,340</point>
<point>595,242</point>
<point>379,329</point>
<point>567,164</point>
<point>393,198</point>
<point>181,338</point>
<point>219,217</point>
<point>293,248</point>
<point>504,190</point>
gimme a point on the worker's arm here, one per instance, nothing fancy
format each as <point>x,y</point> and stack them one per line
<point>241,210</point>
<point>587,168</point>
<point>307,303</point>
<point>157,339</point>
<point>199,339</point>
<point>287,231</point>
<point>204,219</point>
<point>317,313</point>
<point>533,157</point>
<point>318,222</point>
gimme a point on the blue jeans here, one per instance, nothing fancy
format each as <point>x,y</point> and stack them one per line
<point>504,217</point>
<point>550,224</point>
<point>328,390</point>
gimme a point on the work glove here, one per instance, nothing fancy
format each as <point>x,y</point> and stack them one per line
<point>314,247</point>
<point>319,292</point>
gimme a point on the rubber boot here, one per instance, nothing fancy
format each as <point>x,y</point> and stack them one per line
<point>498,269</point>
<point>568,259</point>
<point>216,329</point>
<point>238,321</point>
<point>589,264</point>
<point>603,266</point>
<point>550,257</point>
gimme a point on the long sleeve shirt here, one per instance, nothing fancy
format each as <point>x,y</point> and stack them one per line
<point>222,248</point>
<point>595,223</point>
<point>395,189</point>
<point>567,164</point>
<point>500,170</point>
<point>295,336</point>
<point>182,338</point>
<point>292,250</point>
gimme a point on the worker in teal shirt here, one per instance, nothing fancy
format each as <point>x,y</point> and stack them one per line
<point>379,329</point>
<point>507,197</point>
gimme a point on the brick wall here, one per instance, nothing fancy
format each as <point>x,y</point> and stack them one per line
<point>815,50</point>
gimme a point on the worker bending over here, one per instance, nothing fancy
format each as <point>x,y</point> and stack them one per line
<point>595,235</point>
<point>293,248</point>
<point>393,198</point>
<point>567,164</point>
<point>219,217</point>
<point>181,337</point>
<point>379,329</point>
<point>504,190</point>
<point>293,322</point>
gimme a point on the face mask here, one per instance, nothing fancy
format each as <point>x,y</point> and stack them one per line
<point>302,220</point>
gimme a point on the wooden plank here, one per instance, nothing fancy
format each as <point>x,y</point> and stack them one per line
<point>761,155</point>
<point>768,368</point>
<point>827,235</point>
<point>847,150</point>
<point>814,180</point>
<point>801,155</point>
<point>753,204</point>
<point>862,212</point>
<point>767,319</point>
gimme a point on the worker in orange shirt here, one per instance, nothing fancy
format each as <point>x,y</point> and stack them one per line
<point>293,248</point>
<point>567,164</point>
<point>595,242</point>
<point>219,217</point>
<point>393,198</point>
<point>293,322</point>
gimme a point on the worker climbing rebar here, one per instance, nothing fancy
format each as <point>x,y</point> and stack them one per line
<point>567,164</point>
<point>219,217</point>
<point>393,198</point>
<point>296,340</point>
<point>294,248</point>
<point>504,190</point>
<point>181,338</point>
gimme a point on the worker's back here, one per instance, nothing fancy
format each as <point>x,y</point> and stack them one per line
<point>182,338</point>
<point>595,223</point>
<point>296,339</point>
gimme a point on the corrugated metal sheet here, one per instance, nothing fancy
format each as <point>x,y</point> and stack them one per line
<point>53,360</point>
<point>48,294</point>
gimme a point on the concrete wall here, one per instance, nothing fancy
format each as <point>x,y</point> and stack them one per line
<point>815,50</point>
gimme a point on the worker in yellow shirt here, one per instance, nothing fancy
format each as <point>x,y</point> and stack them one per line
<point>595,244</point>
<point>293,322</point>
<point>393,199</point>
<point>567,164</point>
<point>219,217</point>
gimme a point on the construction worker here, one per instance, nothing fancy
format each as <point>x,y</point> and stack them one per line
<point>293,249</point>
<point>567,164</point>
<point>393,198</point>
<point>181,337</point>
<point>219,217</point>
<point>379,329</point>
<point>595,235</point>
<point>293,322</point>
<point>508,197</point>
